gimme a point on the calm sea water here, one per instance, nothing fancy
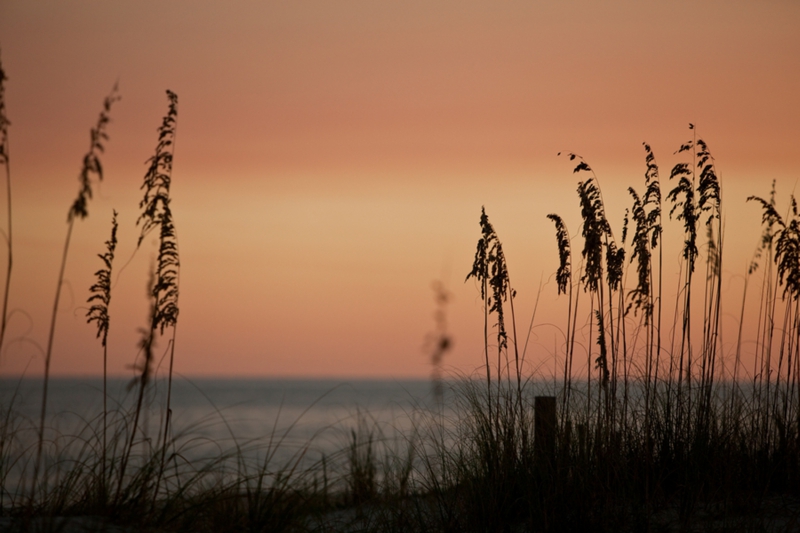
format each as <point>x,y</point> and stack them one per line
<point>217,416</point>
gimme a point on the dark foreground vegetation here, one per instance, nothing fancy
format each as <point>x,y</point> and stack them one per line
<point>651,427</point>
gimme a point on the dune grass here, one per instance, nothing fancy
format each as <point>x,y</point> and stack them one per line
<point>650,428</point>
<point>91,168</point>
<point>6,163</point>
<point>654,431</point>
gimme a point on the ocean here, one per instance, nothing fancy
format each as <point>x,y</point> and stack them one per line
<point>278,420</point>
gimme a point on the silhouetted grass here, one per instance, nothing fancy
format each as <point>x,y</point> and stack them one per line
<point>91,169</point>
<point>680,442</point>
<point>658,434</point>
<point>98,312</point>
<point>6,163</point>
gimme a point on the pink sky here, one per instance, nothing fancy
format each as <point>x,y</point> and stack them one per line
<point>332,159</point>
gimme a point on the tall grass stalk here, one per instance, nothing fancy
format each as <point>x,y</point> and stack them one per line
<point>4,160</point>
<point>98,312</point>
<point>162,288</point>
<point>787,258</point>
<point>683,199</point>
<point>599,243</point>
<point>646,214</point>
<point>91,169</point>
<point>156,214</point>
<point>490,269</point>
<point>564,285</point>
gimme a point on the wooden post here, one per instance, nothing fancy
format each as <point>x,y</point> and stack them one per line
<point>544,431</point>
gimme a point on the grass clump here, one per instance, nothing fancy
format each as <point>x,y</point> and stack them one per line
<point>680,446</point>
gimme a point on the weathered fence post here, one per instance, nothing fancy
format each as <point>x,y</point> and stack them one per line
<point>544,431</point>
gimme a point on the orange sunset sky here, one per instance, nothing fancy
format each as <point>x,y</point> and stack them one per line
<point>332,159</point>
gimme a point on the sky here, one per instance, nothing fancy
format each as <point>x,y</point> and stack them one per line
<point>332,159</point>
